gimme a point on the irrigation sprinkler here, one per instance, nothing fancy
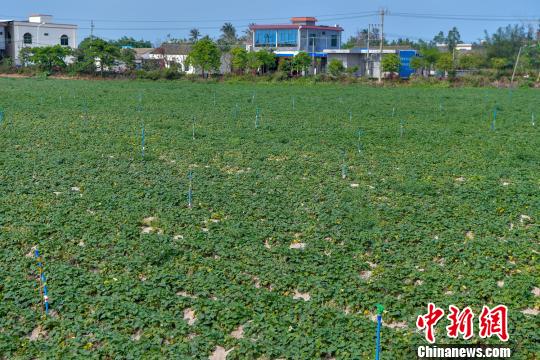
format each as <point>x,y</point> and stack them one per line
<point>190,190</point>
<point>401,127</point>
<point>214,99</point>
<point>380,310</point>
<point>1,115</point>
<point>360,145</point>
<point>43,291</point>
<point>393,111</point>
<point>85,111</point>
<point>235,112</point>
<point>257,118</point>
<point>494,119</point>
<point>142,140</point>
<point>293,104</point>
<point>193,128</point>
<point>343,165</point>
<point>350,115</point>
<point>532,120</point>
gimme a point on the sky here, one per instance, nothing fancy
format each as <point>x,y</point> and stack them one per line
<point>154,21</point>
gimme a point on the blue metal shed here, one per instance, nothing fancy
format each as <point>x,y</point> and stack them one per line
<point>405,70</point>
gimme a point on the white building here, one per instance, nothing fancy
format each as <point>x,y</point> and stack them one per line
<point>38,31</point>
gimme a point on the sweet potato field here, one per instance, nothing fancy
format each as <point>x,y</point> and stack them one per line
<point>182,220</point>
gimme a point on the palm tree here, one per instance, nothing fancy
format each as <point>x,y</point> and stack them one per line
<point>228,33</point>
<point>194,35</point>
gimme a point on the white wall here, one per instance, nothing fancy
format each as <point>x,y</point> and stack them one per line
<point>42,35</point>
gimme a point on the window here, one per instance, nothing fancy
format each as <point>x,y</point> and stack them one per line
<point>27,38</point>
<point>45,34</point>
<point>265,38</point>
<point>287,37</point>
<point>312,38</point>
<point>334,41</point>
<point>64,40</point>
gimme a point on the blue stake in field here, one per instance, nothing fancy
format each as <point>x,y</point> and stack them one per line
<point>494,119</point>
<point>257,118</point>
<point>43,290</point>
<point>343,165</point>
<point>380,310</point>
<point>190,190</point>
<point>1,115</point>
<point>142,140</point>
<point>360,145</point>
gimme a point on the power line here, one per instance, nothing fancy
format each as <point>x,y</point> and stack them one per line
<point>319,17</point>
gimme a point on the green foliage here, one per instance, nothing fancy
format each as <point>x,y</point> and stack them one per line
<point>24,56</point>
<point>444,62</point>
<point>205,56</point>
<point>131,42</point>
<point>239,60</point>
<point>335,68</point>
<point>499,63</point>
<point>96,50</point>
<point>431,55</point>
<point>391,63</point>
<point>301,62</point>
<point>470,61</point>
<point>418,63</point>
<point>506,41</point>
<point>50,57</point>
<point>127,56</point>
<point>425,222</point>
<point>267,60</point>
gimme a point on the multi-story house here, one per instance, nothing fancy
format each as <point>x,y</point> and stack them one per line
<point>38,31</point>
<point>302,34</point>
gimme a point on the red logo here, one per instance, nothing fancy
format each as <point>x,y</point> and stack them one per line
<point>491,322</point>
<point>429,321</point>
<point>494,322</point>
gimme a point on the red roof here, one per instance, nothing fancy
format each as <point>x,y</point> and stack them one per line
<point>293,26</point>
<point>304,19</point>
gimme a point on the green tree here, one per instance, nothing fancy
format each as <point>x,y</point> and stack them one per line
<point>391,63</point>
<point>506,41</point>
<point>24,56</point>
<point>125,41</point>
<point>127,56</point>
<point>205,56</point>
<point>444,63</point>
<point>267,60</point>
<point>194,35</point>
<point>453,39</point>
<point>470,61</point>
<point>499,63</point>
<point>430,55</point>
<point>301,62</point>
<point>253,62</point>
<point>96,50</point>
<point>336,68</point>
<point>50,57</point>
<point>228,34</point>
<point>239,60</point>
<point>418,64</point>
<point>440,38</point>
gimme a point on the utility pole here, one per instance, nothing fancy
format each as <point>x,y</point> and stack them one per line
<point>383,11</point>
<point>515,66</point>
<point>92,29</point>
<point>367,56</point>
